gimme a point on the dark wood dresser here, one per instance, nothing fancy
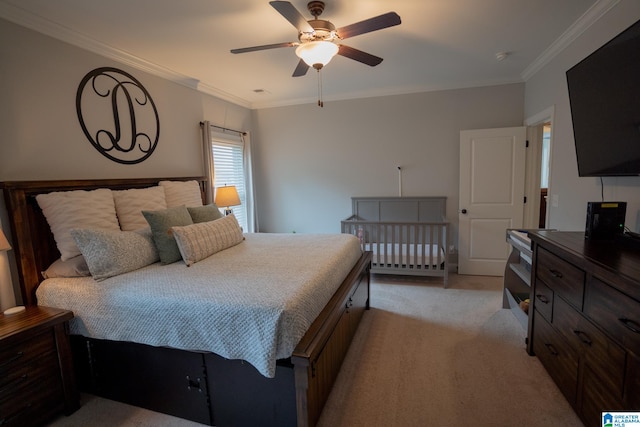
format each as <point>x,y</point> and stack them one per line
<point>36,370</point>
<point>584,321</point>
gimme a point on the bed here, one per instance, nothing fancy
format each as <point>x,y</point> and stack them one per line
<point>191,371</point>
<point>406,235</point>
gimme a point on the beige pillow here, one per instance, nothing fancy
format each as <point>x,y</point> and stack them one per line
<point>182,193</point>
<point>65,210</point>
<point>201,240</point>
<point>74,267</point>
<point>131,203</point>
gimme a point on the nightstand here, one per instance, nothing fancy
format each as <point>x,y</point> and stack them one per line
<point>37,380</point>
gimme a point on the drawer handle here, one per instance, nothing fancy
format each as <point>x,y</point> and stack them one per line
<point>542,298</point>
<point>583,337</point>
<point>552,349</point>
<point>13,359</point>
<point>556,273</point>
<point>631,325</point>
<point>12,385</point>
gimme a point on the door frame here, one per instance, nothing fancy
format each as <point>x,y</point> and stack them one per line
<point>534,165</point>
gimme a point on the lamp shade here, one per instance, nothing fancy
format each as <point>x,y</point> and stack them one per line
<point>227,196</point>
<point>317,52</point>
<point>4,243</point>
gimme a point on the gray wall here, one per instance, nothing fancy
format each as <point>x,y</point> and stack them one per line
<point>41,134</point>
<point>548,88</point>
<point>310,161</point>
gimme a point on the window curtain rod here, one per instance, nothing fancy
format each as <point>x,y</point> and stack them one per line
<point>225,129</point>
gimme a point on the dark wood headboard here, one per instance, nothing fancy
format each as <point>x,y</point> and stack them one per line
<point>33,242</point>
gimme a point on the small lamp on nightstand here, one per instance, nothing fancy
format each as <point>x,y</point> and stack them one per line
<point>226,197</point>
<point>5,246</point>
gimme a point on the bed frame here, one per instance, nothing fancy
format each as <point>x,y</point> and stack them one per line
<point>199,386</point>
<point>406,235</point>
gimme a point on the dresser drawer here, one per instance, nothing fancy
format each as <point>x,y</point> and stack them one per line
<point>632,387</point>
<point>614,312</point>
<point>558,358</point>
<point>29,405</point>
<point>22,352</point>
<point>604,357</point>
<point>544,300</point>
<point>564,278</point>
<point>595,400</point>
<point>30,375</point>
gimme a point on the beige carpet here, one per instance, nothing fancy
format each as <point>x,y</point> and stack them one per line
<point>422,356</point>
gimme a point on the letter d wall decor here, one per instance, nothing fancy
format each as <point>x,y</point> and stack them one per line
<point>117,115</point>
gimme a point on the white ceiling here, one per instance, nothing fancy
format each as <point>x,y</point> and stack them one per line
<point>441,44</point>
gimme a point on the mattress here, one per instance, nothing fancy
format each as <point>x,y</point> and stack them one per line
<point>253,301</point>
<point>396,254</point>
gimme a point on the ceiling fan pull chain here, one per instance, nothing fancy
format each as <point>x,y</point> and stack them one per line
<point>320,101</point>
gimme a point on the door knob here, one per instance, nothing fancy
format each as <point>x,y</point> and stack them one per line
<point>464,211</point>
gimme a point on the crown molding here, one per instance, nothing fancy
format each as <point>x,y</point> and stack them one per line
<point>59,32</point>
<point>592,15</point>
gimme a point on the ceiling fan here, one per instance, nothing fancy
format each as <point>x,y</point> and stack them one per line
<point>319,40</point>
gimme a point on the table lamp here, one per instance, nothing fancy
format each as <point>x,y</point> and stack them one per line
<point>226,197</point>
<point>5,246</point>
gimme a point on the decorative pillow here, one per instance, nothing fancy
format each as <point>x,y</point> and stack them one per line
<point>204,213</point>
<point>73,267</point>
<point>181,193</point>
<point>198,241</point>
<point>161,223</point>
<point>109,253</point>
<point>65,210</point>
<point>131,203</point>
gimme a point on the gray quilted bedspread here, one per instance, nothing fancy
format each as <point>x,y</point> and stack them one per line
<point>253,301</point>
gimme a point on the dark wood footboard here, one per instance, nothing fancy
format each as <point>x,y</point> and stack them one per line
<point>319,355</point>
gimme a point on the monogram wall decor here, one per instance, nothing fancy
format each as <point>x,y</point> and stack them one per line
<point>117,115</point>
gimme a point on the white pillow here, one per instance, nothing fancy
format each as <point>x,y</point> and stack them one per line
<point>201,240</point>
<point>131,203</point>
<point>65,210</point>
<point>185,193</point>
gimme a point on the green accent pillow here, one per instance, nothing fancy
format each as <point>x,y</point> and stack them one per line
<point>204,213</point>
<point>161,223</point>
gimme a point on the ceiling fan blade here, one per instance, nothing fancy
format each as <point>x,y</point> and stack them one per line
<point>301,69</point>
<point>358,55</point>
<point>372,24</point>
<point>292,15</point>
<point>264,47</point>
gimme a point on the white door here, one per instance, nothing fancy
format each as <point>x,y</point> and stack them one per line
<point>492,172</point>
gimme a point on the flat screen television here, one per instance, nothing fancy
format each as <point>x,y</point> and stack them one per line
<point>604,92</point>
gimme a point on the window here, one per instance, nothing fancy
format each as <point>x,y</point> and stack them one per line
<point>228,169</point>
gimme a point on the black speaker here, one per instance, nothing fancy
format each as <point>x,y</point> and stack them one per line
<point>605,220</point>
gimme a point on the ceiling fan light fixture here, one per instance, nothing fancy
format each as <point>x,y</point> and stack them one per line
<point>317,52</point>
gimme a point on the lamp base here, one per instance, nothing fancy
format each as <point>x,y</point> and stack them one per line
<point>14,310</point>
<point>228,212</point>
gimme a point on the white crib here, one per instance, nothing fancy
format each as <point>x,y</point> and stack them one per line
<point>407,235</point>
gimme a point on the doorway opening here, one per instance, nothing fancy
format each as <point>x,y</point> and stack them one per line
<point>544,173</point>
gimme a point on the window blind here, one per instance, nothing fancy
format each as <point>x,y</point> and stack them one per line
<point>228,169</point>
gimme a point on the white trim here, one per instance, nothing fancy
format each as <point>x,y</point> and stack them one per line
<point>591,16</point>
<point>545,116</point>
